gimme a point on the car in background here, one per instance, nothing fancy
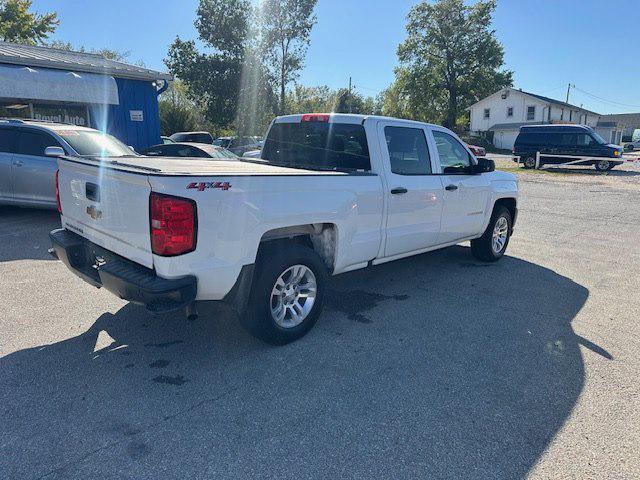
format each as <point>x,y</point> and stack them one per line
<point>166,139</point>
<point>192,137</point>
<point>186,149</point>
<point>253,154</point>
<point>477,151</point>
<point>28,157</point>
<point>565,142</point>
<point>240,145</point>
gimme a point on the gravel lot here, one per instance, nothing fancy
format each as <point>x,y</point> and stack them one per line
<point>433,367</point>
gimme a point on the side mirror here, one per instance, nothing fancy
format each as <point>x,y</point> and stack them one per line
<point>54,152</point>
<point>484,165</point>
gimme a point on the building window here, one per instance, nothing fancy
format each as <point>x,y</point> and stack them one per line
<point>487,113</point>
<point>531,112</point>
<point>509,111</point>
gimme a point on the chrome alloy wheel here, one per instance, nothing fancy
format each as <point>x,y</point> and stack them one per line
<point>603,164</point>
<point>500,234</point>
<point>293,296</point>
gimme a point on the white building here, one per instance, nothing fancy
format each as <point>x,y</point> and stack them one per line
<point>504,112</point>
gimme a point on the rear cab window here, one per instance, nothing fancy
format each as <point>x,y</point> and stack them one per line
<point>408,151</point>
<point>321,145</point>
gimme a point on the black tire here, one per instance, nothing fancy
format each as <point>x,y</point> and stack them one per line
<point>529,162</point>
<point>482,248</point>
<point>604,165</point>
<point>273,261</point>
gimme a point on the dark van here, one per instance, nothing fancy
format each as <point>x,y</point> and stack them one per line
<point>570,140</point>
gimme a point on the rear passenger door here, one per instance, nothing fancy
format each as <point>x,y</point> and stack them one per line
<point>34,173</point>
<point>413,194</point>
<point>466,195</point>
<point>7,143</point>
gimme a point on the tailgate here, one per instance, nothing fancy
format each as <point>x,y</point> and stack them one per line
<point>108,207</point>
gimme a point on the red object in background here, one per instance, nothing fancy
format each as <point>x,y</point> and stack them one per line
<point>477,151</point>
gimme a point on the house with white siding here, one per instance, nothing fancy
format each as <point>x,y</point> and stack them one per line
<point>500,116</point>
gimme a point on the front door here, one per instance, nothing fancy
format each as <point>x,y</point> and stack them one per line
<point>414,194</point>
<point>7,141</point>
<point>466,196</point>
<point>33,172</point>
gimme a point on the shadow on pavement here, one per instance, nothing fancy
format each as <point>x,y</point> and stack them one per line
<point>24,233</point>
<point>434,366</point>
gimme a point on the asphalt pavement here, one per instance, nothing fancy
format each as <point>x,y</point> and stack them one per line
<point>436,366</point>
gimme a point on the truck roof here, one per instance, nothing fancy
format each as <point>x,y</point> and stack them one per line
<point>351,118</point>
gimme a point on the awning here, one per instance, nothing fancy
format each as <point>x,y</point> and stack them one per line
<point>28,83</point>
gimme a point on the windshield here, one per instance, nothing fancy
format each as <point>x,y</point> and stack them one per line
<point>598,138</point>
<point>218,152</point>
<point>319,145</point>
<point>92,143</point>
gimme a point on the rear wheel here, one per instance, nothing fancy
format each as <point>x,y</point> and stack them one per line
<point>287,294</point>
<point>603,165</point>
<point>490,247</point>
<point>529,162</point>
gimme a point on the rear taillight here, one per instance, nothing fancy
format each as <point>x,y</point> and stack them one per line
<point>58,192</point>
<point>173,225</point>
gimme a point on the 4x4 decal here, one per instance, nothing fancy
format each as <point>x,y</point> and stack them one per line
<point>200,186</point>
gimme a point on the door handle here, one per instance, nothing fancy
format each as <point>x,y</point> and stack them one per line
<point>451,188</point>
<point>398,190</point>
<point>18,163</point>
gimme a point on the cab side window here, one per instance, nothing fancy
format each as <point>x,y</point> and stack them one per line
<point>34,143</point>
<point>454,158</point>
<point>7,140</point>
<point>408,151</point>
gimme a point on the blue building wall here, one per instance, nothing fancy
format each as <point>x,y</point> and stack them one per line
<point>116,119</point>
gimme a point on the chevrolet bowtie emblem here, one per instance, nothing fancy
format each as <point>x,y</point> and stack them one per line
<point>94,213</point>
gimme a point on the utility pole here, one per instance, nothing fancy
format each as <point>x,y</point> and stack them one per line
<point>350,98</point>
<point>569,87</point>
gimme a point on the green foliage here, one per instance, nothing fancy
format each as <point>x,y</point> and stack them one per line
<point>450,59</point>
<point>18,24</point>
<point>177,112</point>
<point>213,79</point>
<point>285,27</point>
<point>323,100</point>
<point>107,53</point>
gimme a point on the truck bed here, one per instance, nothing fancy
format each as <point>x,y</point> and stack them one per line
<point>181,166</point>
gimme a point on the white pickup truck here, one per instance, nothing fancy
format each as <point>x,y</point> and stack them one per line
<point>331,194</point>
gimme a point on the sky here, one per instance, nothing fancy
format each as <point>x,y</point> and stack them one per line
<point>548,43</point>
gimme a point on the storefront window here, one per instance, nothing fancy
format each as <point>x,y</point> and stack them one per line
<point>73,114</point>
<point>14,110</point>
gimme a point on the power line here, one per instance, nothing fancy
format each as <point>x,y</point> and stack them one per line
<point>613,102</point>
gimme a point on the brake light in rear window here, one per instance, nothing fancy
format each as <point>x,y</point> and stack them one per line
<point>173,225</point>
<point>58,192</point>
<point>315,117</point>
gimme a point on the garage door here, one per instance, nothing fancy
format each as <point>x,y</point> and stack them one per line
<point>505,138</point>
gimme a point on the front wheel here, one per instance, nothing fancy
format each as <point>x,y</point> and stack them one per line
<point>287,295</point>
<point>604,165</point>
<point>490,247</point>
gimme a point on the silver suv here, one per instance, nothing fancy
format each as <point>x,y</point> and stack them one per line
<point>28,167</point>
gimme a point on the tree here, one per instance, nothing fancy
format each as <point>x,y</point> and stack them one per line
<point>213,79</point>
<point>177,112</point>
<point>18,24</point>
<point>108,53</point>
<point>450,59</point>
<point>322,99</point>
<point>285,27</point>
